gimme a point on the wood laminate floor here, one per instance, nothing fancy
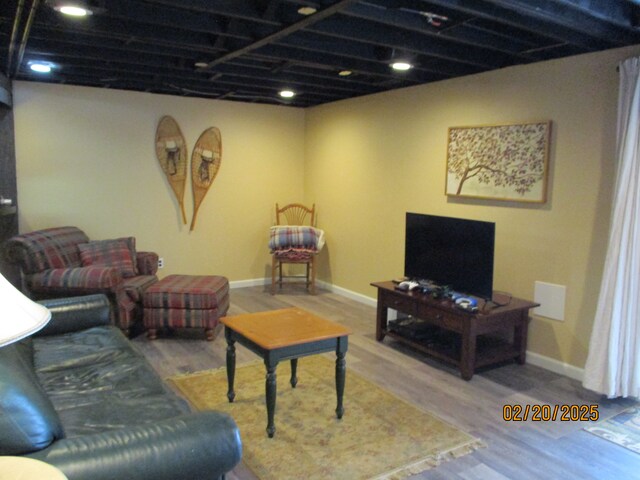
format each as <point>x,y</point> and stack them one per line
<point>515,450</point>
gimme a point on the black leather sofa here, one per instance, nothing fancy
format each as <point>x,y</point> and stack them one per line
<point>79,395</point>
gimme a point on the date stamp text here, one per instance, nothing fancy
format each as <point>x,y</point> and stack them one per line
<point>550,413</point>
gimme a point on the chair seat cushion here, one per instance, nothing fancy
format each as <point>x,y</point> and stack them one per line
<point>294,255</point>
<point>75,280</point>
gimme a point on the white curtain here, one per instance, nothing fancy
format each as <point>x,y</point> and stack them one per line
<point>613,363</point>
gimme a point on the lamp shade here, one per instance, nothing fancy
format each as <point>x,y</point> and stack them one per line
<point>19,315</point>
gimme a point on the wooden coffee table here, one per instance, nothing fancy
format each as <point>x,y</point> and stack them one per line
<point>286,334</point>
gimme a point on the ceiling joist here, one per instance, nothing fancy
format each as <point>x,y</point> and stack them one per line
<point>247,50</point>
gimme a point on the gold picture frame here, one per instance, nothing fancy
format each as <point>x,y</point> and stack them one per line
<point>499,162</point>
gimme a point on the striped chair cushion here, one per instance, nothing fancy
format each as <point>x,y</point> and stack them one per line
<point>109,253</point>
<point>81,279</point>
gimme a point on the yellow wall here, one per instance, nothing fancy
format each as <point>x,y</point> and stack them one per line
<point>86,157</point>
<point>371,159</point>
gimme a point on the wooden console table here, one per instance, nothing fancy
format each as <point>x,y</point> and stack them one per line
<point>454,335</point>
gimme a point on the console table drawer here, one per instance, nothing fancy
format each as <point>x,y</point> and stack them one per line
<point>399,302</point>
<point>448,321</point>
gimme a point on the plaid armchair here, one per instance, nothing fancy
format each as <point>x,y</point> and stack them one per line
<point>62,262</point>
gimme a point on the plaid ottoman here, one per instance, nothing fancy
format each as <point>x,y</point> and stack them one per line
<point>186,301</point>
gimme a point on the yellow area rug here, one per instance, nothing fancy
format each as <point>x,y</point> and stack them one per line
<point>380,436</point>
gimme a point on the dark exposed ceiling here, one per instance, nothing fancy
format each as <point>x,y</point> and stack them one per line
<point>248,50</point>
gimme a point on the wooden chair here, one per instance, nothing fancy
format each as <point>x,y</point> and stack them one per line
<point>294,214</point>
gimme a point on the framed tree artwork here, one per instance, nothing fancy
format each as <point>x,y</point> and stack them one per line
<point>500,162</point>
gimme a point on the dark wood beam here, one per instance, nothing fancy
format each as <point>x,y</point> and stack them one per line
<point>80,61</point>
<point>55,39</point>
<point>110,28</point>
<point>566,15</point>
<point>366,52</point>
<point>509,14</point>
<point>306,22</point>
<point>385,35</point>
<point>320,59</point>
<point>620,13</point>
<point>243,9</point>
<point>459,32</point>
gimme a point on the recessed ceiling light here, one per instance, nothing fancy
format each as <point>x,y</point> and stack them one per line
<point>73,9</point>
<point>345,73</point>
<point>307,10</point>
<point>201,64</point>
<point>40,67</point>
<point>401,66</point>
<point>287,93</point>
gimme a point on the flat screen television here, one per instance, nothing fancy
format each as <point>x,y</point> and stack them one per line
<point>450,252</point>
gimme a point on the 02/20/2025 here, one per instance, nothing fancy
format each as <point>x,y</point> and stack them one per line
<point>550,413</point>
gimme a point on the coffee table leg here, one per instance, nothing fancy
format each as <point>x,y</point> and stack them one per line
<point>271,388</point>
<point>231,366</point>
<point>294,370</point>
<point>340,380</point>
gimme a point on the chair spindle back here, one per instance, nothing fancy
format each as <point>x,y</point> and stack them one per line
<point>295,214</point>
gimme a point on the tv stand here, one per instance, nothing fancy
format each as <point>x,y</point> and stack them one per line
<point>441,330</point>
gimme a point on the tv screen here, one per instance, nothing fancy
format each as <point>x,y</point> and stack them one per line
<point>450,252</point>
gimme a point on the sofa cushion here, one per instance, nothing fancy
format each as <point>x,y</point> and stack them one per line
<point>28,421</point>
<point>118,253</point>
<point>98,381</point>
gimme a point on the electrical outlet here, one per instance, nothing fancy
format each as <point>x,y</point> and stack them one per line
<point>160,262</point>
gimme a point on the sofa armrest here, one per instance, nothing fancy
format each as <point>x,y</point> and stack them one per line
<point>76,313</point>
<point>196,446</point>
<point>147,263</point>
<point>78,280</point>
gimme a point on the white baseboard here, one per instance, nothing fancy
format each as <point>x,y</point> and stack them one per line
<point>555,366</point>
<point>256,282</point>
<point>533,358</point>
<point>358,297</point>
